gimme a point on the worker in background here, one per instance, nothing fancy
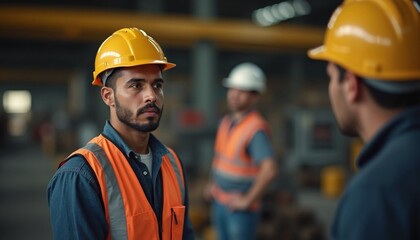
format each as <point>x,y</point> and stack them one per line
<point>371,48</point>
<point>124,184</point>
<point>243,164</point>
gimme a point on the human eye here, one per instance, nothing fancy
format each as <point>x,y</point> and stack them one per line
<point>158,84</point>
<point>135,84</point>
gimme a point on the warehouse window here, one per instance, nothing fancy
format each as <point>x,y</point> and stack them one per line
<point>17,109</point>
<point>17,101</point>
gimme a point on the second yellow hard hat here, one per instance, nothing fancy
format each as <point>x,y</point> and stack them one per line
<point>377,39</point>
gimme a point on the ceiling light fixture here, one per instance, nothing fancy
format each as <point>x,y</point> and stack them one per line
<point>280,12</point>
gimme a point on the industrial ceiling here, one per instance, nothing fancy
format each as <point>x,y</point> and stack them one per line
<point>43,39</point>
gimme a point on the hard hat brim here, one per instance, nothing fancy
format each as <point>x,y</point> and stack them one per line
<point>318,53</point>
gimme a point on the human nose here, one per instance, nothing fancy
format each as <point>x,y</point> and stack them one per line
<point>233,92</point>
<point>150,94</point>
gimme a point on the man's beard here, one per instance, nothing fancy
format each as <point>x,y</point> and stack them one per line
<point>125,116</point>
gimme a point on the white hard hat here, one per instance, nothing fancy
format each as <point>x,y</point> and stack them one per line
<point>246,76</point>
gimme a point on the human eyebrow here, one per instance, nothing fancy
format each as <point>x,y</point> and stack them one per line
<point>135,80</point>
<point>140,81</point>
<point>159,80</point>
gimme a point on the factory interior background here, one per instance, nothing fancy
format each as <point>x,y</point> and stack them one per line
<point>49,108</point>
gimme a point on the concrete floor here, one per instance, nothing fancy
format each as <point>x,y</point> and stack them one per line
<point>24,175</point>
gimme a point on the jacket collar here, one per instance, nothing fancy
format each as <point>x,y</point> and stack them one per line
<point>403,122</point>
<point>158,149</point>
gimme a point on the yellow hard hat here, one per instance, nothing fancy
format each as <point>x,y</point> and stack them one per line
<point>128,47</point>
<point>377,39</point>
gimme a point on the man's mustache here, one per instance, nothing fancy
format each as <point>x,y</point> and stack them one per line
<point>148,107</point>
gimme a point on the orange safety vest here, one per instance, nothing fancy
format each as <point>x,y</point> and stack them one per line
<point>128,212</point>
<point>231,159</point>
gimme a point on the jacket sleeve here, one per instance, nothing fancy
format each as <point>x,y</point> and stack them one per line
<point>75,203</point>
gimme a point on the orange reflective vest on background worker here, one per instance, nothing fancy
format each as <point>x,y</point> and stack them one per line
<point>127,209</point>
<point>231,159</point>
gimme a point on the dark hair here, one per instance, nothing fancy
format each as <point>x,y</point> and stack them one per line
<point>385,99</point>
<point>110,81</point>
<point>392,100</point>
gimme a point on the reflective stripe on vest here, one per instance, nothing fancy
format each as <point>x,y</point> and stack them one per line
<point>226,197</point>
<point>127,209</point>
<point>177,170</point>
<point>115,203</point>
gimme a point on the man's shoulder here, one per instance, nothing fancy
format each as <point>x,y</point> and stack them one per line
<point>75,164</point>
<point>75,161</point>
<point>389,170</point>
<point>73,170</point>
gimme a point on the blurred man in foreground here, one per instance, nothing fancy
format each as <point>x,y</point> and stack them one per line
<point>372,48</point>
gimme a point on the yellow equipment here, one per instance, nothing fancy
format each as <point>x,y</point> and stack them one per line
<point>377,39</point>
<point>128,47</point>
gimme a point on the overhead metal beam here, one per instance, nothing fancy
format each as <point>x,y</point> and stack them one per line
<point>24,75</point>
<point>30,22</point>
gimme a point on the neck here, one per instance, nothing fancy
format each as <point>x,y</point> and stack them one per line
<point>136,140</point>
<point>237,115</point>
<point>373,120</point>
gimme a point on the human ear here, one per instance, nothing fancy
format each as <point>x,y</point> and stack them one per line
<point>107,95</point>
<point>353,86</point>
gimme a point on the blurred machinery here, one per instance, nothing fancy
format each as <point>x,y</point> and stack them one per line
<point>314,140</point>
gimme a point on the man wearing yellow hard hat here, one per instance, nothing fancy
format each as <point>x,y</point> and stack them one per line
<point>124,184</point>
<point>372,49</point>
